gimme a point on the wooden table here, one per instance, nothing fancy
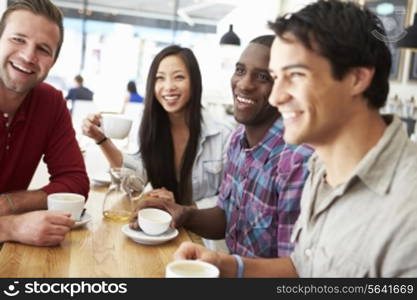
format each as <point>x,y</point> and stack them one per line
<point>98,249</point>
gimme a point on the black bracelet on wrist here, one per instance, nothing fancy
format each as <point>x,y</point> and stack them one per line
<point>102,141</point>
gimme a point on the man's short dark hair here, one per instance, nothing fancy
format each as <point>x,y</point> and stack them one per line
<point>44,8</point>
<point>344,33</point>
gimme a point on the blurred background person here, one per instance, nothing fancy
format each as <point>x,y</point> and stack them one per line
<point>131,95</point>
<point>79,91</point>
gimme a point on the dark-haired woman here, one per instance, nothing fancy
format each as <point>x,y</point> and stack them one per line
<point>181,150</point>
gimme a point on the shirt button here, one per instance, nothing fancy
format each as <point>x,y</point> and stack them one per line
<point>7,147</point>
<point>308,253</point>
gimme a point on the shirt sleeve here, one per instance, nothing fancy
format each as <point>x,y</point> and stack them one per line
<point>62,153</point>
<point>213,201</point>
<point>224,190</point>
<point>134,162</point>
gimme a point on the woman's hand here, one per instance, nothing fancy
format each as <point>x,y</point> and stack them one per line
<point>91,127</point>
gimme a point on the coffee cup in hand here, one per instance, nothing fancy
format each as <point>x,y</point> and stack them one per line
<point>70,203</point>
<point>191,269</point>
<point>116,126</point>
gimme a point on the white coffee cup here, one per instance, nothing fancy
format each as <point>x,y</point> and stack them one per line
<point>67,202</point>
<point>116,126</point>
<point>154,221</point>
<point>191,269</point>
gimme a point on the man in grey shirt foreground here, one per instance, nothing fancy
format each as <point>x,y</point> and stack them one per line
<point>359,205</point>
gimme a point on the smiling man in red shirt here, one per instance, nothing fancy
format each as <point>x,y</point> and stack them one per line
<point>34,123</point>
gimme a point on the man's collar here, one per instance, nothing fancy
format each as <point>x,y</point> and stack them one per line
<point>277,129</point>
<point>377,168</point>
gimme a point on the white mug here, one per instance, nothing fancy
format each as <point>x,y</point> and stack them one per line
<point>154,221</point>
<point>67,202</point>
<point>116,126</point>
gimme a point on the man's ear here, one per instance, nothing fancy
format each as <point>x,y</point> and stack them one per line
<point>361,79</point>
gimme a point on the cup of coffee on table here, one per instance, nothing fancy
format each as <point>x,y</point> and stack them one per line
<point>67,202</point>
<point>116,126</point>
<point>191,269</point>
<point>154,221</point>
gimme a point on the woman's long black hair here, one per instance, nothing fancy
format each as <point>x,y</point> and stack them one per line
<point>155,139</point>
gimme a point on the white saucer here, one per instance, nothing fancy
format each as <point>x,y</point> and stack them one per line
<point>101,178</point>
<point>141,238</point>
<point>84,220</point>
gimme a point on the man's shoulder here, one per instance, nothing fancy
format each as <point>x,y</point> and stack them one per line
<point>46,87</point>
<point>87,91</point>
<point>405,176</point>
<point>44,95</point>
<point>45,90</point>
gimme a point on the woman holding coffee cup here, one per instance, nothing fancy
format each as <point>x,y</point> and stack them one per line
<point>181,149</point>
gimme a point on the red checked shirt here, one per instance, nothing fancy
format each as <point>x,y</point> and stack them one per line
<point>41,127</point>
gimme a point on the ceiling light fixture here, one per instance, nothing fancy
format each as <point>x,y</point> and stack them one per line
<point>230,38</point>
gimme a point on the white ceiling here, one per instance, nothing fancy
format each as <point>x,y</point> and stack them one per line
<point>198,11</point>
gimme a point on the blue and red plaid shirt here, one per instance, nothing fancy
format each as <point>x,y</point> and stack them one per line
<point>260,193</point>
